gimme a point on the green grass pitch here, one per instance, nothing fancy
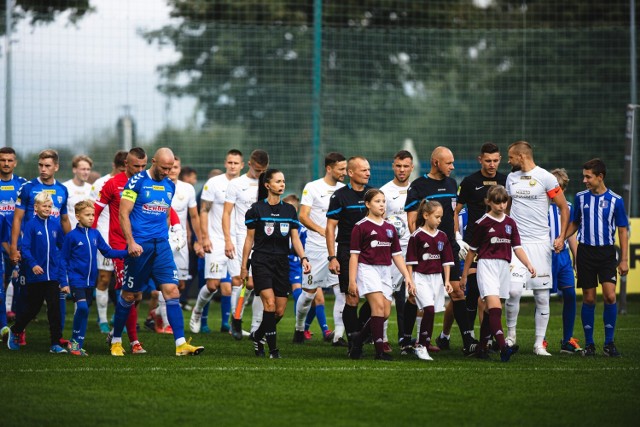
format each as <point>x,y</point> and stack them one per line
<point>316,384</point>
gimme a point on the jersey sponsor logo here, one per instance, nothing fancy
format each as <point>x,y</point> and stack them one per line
<point>158,187</point>
<point>489,183</point>
<point>427,256</point>
<point>6,206</point>
<point>268,228</point>
<point>284,228</point>
<point>498,240</point>
<point>377,243</point>
<point>50,191</point>
<point>7,188</point>
<point>155,206</point>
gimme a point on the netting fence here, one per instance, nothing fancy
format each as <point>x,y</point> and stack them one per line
<point>360,77</point>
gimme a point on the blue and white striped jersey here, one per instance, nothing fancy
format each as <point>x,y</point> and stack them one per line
<point>598,216</point>
<point>554,222</point>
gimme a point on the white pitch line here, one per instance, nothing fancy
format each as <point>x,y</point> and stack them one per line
<point>412,369</point>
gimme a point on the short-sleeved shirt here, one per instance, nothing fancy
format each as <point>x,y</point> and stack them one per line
<point>272,225</point>
<point>152,201</point>
<point>495,239</point>
<point>214,191</point>
<point>554,222</point>
<point>183,199</point>
<point>8,196</point>
<point>103,219</point>
<point>242,192</point>
<point>395,198</point>
<point>317,195</point>
<point>347,207</point>
<point>109,196</point>
<point>77,193</point>
<point>375,243</point>
<point>428,253</point>
<point>531,192</point>
<point>598,216</point>
<point>472,192</point>
<point>440,190</point>
<point>31,189</point>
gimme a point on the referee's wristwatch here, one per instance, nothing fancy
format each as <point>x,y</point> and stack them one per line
<point>304,258</point>
<point>329,258</point>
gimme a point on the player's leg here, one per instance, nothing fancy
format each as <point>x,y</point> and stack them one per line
<point>225,303</point>
<point>378,303</point>
<point>471,297</point>
<point>512,304</point>
<point>80,320</point>
<point>34,298</point>
<point>320,313</point>
<point>105,273</point>
<point>303,307</point>
<point>609,317</point>
<point>215,268</point>
<point>52,296</point>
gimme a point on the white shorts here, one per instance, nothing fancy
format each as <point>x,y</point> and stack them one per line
<point>105,264</point>
<point>320,276</point>
<point>216,263</point>
<point>181,258</point>
<point>494,277</point>
<point>429,291</point>
<point>374,278</point>
<point>396,276</point>
<point>540,256</point>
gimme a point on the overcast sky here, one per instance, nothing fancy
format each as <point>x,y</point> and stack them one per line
<point>69,83</point>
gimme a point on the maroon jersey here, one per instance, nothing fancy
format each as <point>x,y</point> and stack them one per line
<point>428,253</point>
<point>493,239</point>
<point>376,243</point>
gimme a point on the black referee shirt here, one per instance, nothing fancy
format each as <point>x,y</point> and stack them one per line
<point>443,191</point>
<point>472,192</point>
<point>272,225</point>
<point>347,207</point>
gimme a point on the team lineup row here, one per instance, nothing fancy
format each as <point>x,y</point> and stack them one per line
<point>246,235</point>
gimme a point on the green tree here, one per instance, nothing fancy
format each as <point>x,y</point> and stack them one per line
<point>41,12</point>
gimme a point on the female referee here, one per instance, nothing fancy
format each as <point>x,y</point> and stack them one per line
<point>270,223</point>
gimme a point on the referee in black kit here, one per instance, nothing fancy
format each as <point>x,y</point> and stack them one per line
<point>270,223</point>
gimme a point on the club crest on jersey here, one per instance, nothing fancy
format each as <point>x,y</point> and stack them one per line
<point>604,204</point>
<point>389,233</point>
<point>440,246</point>
<point>532,183</point>
<point>268,228</point>
<point>169,194</point>
<point>507,228</point>
<point>284,228</point>
<point>59,199</point>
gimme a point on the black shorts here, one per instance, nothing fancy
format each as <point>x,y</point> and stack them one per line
<point>271,272</point>
<point>454,272</point>
<point>343,254</point>
<point>596,264</point>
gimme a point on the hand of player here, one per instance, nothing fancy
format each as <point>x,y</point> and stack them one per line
<point>65,289</point>
<point>532,270</point>
<point>244,273</point>
<point>306,266</point>
<point>463,283</point>
<point>14,255</point>
<point>197,248</point>
<point>135,250</point>
<point>464,247</point>
<point>229,250</point>
<point>623,268</point>
<point>177,237</point>
<point>558,245</point>
<point>37,270</point>
<point>334,266</point>
<point>448,288</point>
<point>353,289</point>
<point>206,245</point>
<point>411,288</point>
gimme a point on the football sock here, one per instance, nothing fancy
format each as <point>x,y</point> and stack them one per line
<point>609,316</point>
<point>204,320</point>
<point>269,321</point>
<point>426,326</point>
<point>322,318</point>
<point>400,300</point>
<point>102,302</point>
<point>460,315</point>
<point>512,308</point>
<point>8,302</point>
<point>384,331</point>
<point>225,310</point>
<point>176,320</point>
<point>338,306</point>
<point>495,322</point>
<point>162,309</point>
<point>120,316</point>
<point>445,336</point>
<point>80,319</point>
<point>365,313</point>
<point>410,311</point>
<point>350,319</point>
<point>485,330</point>
<point>377,325</point>
<point>309,319</point>
<point>132,324</point>
<point>541,297</point>
<point>303,308</point>
<point>63,310</point>
<point>204,296</point>
<point>471,300</point>
<point>588,315</point>
<point>256,317</point>
<point>296,294</point>
<point>568,312</point>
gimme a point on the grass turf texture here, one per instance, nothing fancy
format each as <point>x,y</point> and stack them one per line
<point>316,384</point>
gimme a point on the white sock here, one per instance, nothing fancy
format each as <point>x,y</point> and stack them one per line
<point>256,318</point>
<point>302,308</point>
<point>204,296</point>
<point>102,302</point>
<point>235,294</point>
<point>9,296</point>
<point>385,338</point>
<point>338,307</point>
<point>418,323</point>
<point>512,308</point>
<point>162,307</point>
<point>541,297</point>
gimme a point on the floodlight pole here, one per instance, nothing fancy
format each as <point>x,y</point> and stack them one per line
<point>8,113</point>
<point>316,114</point>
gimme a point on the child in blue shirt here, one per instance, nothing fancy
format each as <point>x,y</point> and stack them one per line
<point>79,268</point>
<point>41,243</point>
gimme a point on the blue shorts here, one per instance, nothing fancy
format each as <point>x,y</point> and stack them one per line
<point>82,294</point>
<point>155,263</point>
<point>295,272</point>
<point>562,271</point>
<point>226,279</point>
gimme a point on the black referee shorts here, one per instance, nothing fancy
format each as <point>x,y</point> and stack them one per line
<point>596,264</point>
<point>343,254</point>
<point>271,272</point>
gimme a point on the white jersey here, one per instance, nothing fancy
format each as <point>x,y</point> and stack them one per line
<point>316,195</point>
<point>395,197</point>
<point>214,191</point>
<point>242,192</point>
<point>184,199</point>
<point>103,220</point>
<point>531,194</point>
<point>77,193</point>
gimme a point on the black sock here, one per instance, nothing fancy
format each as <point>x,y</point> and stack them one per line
<point>410,313</point>
<point>473,293</point>
<point>400,301</point>
<point>364,314</point>
<point>269,323</point>
<point>460,314</point>
<point>350,319</point>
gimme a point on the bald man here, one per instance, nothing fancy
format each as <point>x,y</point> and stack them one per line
<point>144,219</point>
<point>438,185</point>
